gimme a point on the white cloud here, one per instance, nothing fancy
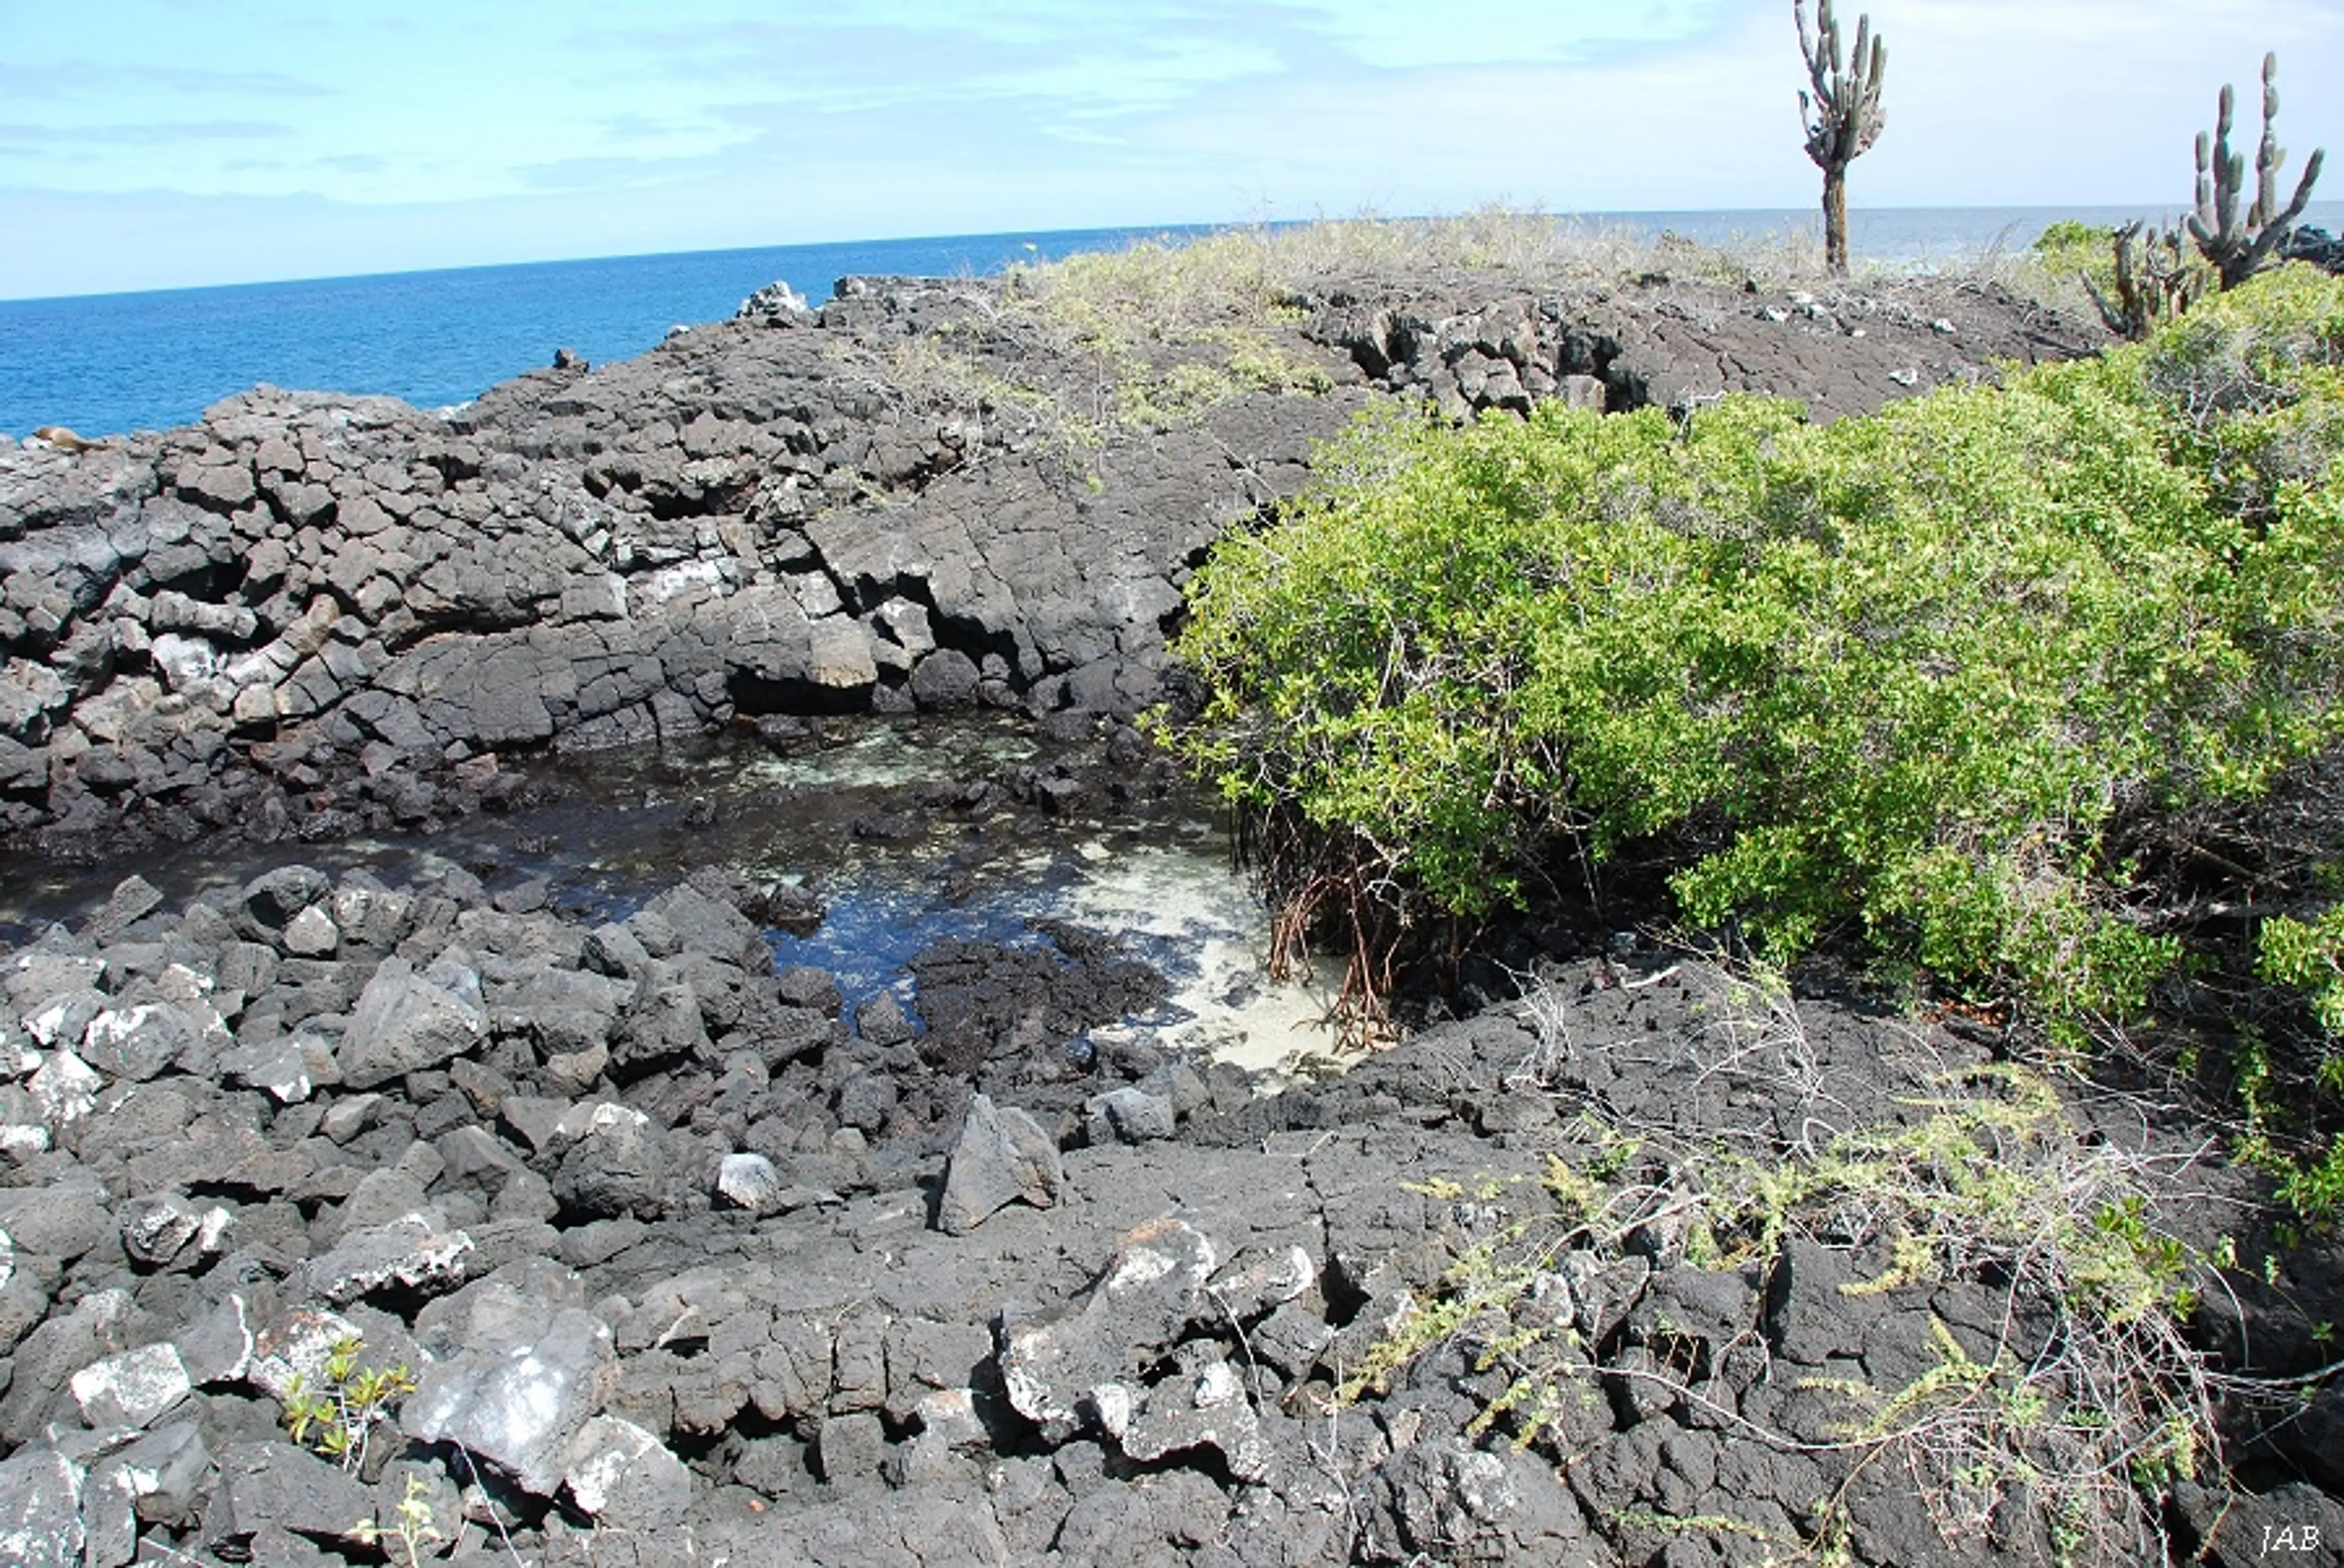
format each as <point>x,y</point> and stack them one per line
<point>534,128</point>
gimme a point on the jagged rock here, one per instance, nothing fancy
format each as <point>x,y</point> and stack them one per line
<point>616,951</point>
<point>133,899</point>
<point>18,1058</point>
<point>63,1219</point>
<point>222,1157</point>
<point>266,1486</point>
<point>1439,1497</point>
<point>31,697</point>
<point>289,1352</point>
<point>851,1449</point>
<point>664,1024</point>
<point>379,1198</point>
<point>272,899</point>
<point>407,1021</point>
<point>138,1043</point>
<point>417,1253</point>
<point>1264,1282</point>
<point>949,1416</point>
<point>134,1389</point>
<point>40,1510</point>
<point>1152,1289</point>
<point>218,1344</point>
<point>476,1157</point>
<point>698,923</point>
<point>312,934</point>
<point>945,679</point>
<point>62,1021</point>
<point>24,770</point>
<point>1001,1157</point>
<point>774,299</point>
<point>750,1181</point>
<point>34,978</point>
<point>624,1478</point>
<point>617,1164</point>
<point>1289,1340</point>
<point>1201,1405</point>
<point>158,1480</point>
<point>48,1356</point>
<point>289,1069</point>
<point>880,1020</point>
<point>1127,1114</point>
<point>516,1385</point>
<point>155,1231</point>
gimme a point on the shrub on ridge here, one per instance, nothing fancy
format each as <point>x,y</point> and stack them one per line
<point>1917,675</point>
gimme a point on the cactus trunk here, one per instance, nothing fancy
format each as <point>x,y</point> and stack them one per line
<point>1835,220</point>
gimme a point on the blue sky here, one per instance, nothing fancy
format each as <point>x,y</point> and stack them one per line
<point>159,143</point>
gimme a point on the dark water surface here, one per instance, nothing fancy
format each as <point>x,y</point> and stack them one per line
<point>618,828</point>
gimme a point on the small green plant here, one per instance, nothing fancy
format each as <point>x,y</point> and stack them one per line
<point>412,1526</point>
<point>2309,955</point>
<point>337,1418</point>
<point>2306,957</point>
<point>2069,244</point>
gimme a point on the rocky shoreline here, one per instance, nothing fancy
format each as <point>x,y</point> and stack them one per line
<point>689,1263</point>
<point>312,614</point>
<point>659,1256</point>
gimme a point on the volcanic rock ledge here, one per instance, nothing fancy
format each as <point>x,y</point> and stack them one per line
<point>312,613</point>
<point>506,1153</point>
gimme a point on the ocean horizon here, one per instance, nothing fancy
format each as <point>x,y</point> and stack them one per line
<point>104,364</point>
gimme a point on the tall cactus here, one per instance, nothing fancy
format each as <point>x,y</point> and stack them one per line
<point>2237,251</point>
<point>1843,116</point>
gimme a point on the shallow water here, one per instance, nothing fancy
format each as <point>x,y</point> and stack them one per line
<point>621,827</point>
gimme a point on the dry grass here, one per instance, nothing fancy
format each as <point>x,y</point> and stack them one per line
<point>1156,334</point>
<point>1234,275</point>
<point>1251,276</point>
<point>2066,1428</point>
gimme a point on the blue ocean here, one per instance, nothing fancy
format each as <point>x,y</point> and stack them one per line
<point>100,364</point>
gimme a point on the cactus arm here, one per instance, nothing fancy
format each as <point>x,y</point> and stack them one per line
<point>1841,113</point>
<point>2270,155</point>
<point>2274,231</point>
<point>2237,250</point>
<point>2155,281</point>
<point>1872,118</point>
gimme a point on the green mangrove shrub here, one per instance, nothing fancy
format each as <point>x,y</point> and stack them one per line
<point>1918,676</point>
<point>2307,957</point>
